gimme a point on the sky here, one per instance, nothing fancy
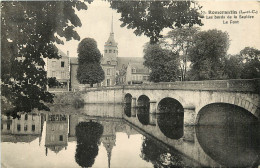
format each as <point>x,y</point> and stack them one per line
<point>96,23</point>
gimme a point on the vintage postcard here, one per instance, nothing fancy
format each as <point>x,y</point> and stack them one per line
<point>130,84</point>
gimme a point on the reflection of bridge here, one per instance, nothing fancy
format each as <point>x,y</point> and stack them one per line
<point>192,96</point>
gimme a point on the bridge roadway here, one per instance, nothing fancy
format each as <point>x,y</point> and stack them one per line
<point>192,95</point>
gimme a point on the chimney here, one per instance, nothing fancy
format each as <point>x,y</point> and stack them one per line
<point>68,53</point>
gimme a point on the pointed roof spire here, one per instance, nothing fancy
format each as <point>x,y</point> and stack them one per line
<point>111,40</point>
<point>112,31</point>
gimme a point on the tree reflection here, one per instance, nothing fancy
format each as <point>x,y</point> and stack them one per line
<point>88,138</point>
<point>159,156</point>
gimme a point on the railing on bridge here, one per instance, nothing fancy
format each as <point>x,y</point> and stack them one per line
<point>241,85</point>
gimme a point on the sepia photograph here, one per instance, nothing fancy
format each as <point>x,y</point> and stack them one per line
<point>130,84</point>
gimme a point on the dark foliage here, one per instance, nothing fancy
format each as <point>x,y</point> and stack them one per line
<point>251,59</point>
<point>28,33</point>
<point>88,138</point>
<point>233,67</point>
<point>159,156</point>
<point>52,82</point>
<point>208,53</point>
<point>88,51</point>
<point>89,70</point>
<point>163,63</point>
<point>181,42</point>
<point>151,17</point>
<point>90,73</point>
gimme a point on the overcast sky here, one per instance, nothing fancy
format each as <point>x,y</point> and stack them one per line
<point>96,23</point>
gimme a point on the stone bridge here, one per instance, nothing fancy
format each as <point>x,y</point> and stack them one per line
<point>191,95</point>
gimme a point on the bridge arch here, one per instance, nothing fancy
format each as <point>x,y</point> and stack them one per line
<point>143,101</point>
<point>168,104</point>
<point>171,118</point>
<point>128,98</point>
<point>127,104</point>
<point>219,125</point>
<point>233,100</point>
<point>217,112</point>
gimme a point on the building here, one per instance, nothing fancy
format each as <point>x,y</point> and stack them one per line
<point>56,132</point>
<point>60,69</point>
<point>131,71</point>
<point>24,129</point>
<point>118,70</point>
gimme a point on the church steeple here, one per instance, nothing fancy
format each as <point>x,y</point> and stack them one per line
<point>111,40</point>
<point>110,47</point>
<point>112,31</point>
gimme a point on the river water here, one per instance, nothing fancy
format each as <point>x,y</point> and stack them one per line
<point>113,136</point>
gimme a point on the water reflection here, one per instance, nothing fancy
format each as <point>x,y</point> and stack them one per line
<point>171,124</point>
<point>231,136</point>
<point>159,155</point>
<point>143,115</point>
<point>232,142</point>
<point>127,109</point>
<point>170,118</point>
<point>56,137</point>
<point>88,138</point>
<point>25,129</point>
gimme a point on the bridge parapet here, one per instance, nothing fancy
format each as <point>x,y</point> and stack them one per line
<point>241,85</point>
<point>234,85</point>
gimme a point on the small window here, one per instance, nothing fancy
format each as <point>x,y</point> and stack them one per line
<point>2,127</point>
<point>62,63</point>
<point>133,70</point>
<point>25,127</point>
<point>26,117</point>
<point>8,126</point>
<point>18,127</point>
<point>114,51</point>
<point>33,128</point>
<point>110,51</point>
<point>61,137</point>
<point>105,51</point>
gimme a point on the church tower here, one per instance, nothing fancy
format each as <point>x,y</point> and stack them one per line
<point>110,48</point>
<point>109,60</point>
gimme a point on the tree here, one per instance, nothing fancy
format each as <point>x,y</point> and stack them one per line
<point>181,42</point>
<point>249,54</point>
<point>151,17</point>
<point>162,63</point>
<point>89,70</point>
<point>251,60</point>
<point>52,82</point>
<point>233,66</point>
<point>29,32</point>
<point>251,70</point>
<point>88,137</point>
<point>88,51</point>
<point>90,73</point>
<point>208,53</point>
